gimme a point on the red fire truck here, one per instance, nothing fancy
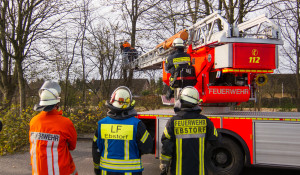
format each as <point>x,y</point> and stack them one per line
<point>227,66</point>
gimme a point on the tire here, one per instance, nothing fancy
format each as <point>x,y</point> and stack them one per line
<point>225,158</point>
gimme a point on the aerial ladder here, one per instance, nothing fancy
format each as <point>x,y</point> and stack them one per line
<point>228,63</point>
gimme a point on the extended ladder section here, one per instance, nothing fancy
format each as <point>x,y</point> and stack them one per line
<point>152,59</point>
<point>213,31</point>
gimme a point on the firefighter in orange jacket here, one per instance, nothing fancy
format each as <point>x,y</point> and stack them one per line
<point>51,135</point>
<point>126,46</point>
<point>185,135</point>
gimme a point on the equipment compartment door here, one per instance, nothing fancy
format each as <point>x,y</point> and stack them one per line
<point>277,143</point>
<point>160,126</point>
<point>254,56</point>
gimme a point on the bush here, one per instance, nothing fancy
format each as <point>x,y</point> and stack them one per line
<point>145,92</point>
<point>85,119</point>
<point>287,104</point>
<point>284,104</point>
<point>14,135</point>
<point>149,102</point>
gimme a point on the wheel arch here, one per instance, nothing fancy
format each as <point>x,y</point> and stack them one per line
<point>239,140</point>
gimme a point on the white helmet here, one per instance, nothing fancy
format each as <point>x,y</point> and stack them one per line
<point>121,97</point>
<point>49,96</point>
<point>190,95</point>
<point>178,42</point>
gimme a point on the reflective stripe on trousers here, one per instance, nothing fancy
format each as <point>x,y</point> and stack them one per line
<point>179,156</point>
<point>201,155</point>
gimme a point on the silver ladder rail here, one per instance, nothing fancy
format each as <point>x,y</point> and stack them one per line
<point>205,32</point>
<point>152,59</point>
<point>270,32</point>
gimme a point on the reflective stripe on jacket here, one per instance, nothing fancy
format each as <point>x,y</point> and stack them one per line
<point>181,60</point>
<point>177,60</point>
<point>51,137</point>
<point>118,145</point>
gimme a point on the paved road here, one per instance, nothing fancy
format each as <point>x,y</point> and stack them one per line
<point>19,164</point>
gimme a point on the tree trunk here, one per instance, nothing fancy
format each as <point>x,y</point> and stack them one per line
<point>8,87</point>
<point>66,93</point>
<point>128,80</point>
<point>241,11</point>
<point>298,57</point>
<point>219,21</point>
<point>83,72</point>
<point>6,99</point>
<point>258,102</point>
<point>133,33</point>
<point>206,4</point>
<point>21,85</point>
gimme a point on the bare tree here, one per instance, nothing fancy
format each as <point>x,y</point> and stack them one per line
<point>105,54</point>
<point>195,9</point>
<point>24,22</point>
<point>165,20</point>
<point>236,10</point>
<point>68,62</point>
<point>132,11</point>
<point>64,51</point>
<point>83,22</point>
<point>287,15</point>
<point>8,71</point>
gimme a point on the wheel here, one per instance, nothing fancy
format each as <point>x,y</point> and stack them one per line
<point>225,158</point>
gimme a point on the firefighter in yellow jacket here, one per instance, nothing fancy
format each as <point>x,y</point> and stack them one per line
<point>184,137</point>
<point>120,139</point>
<point>175,62</point>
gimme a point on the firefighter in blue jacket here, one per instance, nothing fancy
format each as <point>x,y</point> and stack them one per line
<point>120,139</point>
<point>185,135</point>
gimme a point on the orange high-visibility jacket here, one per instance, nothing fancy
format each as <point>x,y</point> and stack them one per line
<point>51,136</point>
<point>126,44</point>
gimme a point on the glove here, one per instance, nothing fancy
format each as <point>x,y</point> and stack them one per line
<point>170,94</point>
<point>97,171</point>
<point>163,169</point>
<point>164,166</point>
